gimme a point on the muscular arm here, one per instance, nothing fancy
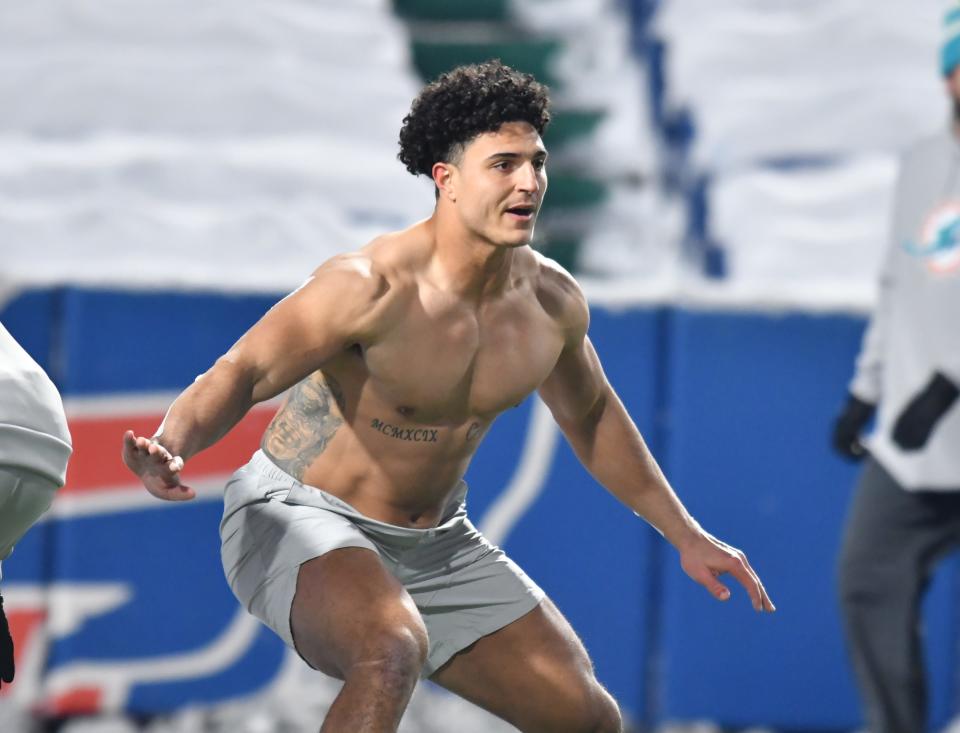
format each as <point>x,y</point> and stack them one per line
<point>607,442</point>
<point>332,310</point>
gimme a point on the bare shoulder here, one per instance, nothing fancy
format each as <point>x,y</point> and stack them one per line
<point>345,295</point>
<point>368,287</point>
<point>561,296</point>
<point>354,278</point>
<point>355,282</point>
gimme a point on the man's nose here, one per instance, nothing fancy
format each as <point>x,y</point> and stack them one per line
<point>528,181</point>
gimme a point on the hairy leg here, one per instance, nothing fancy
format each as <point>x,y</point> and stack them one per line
<point>352,620</point>
<point>535,674</point>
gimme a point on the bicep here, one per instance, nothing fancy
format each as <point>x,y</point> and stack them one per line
<point>302,332</point>
<point>576,385</point>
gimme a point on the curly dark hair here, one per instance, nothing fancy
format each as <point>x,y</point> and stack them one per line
<point>465,102</point>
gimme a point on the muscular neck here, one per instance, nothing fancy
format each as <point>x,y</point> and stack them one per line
<point>466,264</point>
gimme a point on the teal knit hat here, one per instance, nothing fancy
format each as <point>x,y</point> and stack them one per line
<point>950,53</point>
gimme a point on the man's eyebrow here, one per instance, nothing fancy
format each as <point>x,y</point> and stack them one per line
<point>514,156</point>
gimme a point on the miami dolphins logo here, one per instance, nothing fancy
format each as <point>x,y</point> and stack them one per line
<point>939,244</point>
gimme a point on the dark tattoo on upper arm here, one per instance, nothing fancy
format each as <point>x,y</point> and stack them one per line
<point>473,431</point>
<point>305,424</point>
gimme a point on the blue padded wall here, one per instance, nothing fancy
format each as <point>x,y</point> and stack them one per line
<point>32,318</point>
<point>163,557</point>
<point>116,341</point>
<point>752,398</point>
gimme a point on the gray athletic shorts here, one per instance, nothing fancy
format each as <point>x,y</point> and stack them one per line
<point>464,587</point>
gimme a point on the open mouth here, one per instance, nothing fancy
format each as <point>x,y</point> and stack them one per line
<point>523,213</point>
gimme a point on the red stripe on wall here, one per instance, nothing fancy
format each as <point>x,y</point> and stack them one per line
<point>78,701</point>
<point>97,442</point>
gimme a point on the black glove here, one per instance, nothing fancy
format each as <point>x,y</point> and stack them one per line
<point>916,422</point>
<point>848,426</point>
<point>6,648</point>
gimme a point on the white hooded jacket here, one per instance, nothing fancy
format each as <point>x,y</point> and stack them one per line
<point>33,427</point>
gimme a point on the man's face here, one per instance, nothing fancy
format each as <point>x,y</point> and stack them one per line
<point>499,182</point>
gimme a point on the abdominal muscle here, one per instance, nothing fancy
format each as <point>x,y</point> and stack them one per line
<point>388,467</point>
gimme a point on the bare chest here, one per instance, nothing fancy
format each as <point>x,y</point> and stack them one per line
<point>454,366</point>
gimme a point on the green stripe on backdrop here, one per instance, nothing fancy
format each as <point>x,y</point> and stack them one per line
<point>432,58</point>
<point>444,10</point>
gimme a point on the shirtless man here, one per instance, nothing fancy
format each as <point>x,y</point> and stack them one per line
<point>346,533</point>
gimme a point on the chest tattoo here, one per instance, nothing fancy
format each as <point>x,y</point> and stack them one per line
<point>411,435</point>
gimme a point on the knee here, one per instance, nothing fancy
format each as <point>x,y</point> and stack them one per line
<point>597,712</point>
<point>396,651</point>
<point>606,714</point>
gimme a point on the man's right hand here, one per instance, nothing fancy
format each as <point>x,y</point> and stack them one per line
<point>155,467</point>
<point>848,426</point>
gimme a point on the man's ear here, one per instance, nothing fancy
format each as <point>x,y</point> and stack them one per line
<point>444,178</point>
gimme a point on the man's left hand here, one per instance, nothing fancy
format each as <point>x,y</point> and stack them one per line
<point>912,429</point>
<point>706,558</point>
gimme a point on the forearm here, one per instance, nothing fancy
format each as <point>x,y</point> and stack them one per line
<point>207,409</point>
<point>609,445</point>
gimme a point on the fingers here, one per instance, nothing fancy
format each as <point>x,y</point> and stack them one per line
<point>762,601</point>
<point>129,447</point>
<point>748,578</point>
<point>712,559</point>
<point>156,466</point>
<point>180,492</point>
<point>717,589</point>
<point>751,583</point>
<point>767,602</point>
<point>155,450</point>
<point>147,448</point>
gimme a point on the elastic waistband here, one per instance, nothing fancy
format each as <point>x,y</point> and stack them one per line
<point>31,449</point>
<point>265,467</point>
<point>300,493</point>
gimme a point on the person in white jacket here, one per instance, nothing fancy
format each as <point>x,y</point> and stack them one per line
<point>35,446</point>
<point>906,511</point>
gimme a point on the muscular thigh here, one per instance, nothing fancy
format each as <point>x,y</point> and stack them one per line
<point>346,606</point>
<point>534,673</point>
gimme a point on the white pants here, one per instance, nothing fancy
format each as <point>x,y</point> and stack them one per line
<point>24,497</point>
